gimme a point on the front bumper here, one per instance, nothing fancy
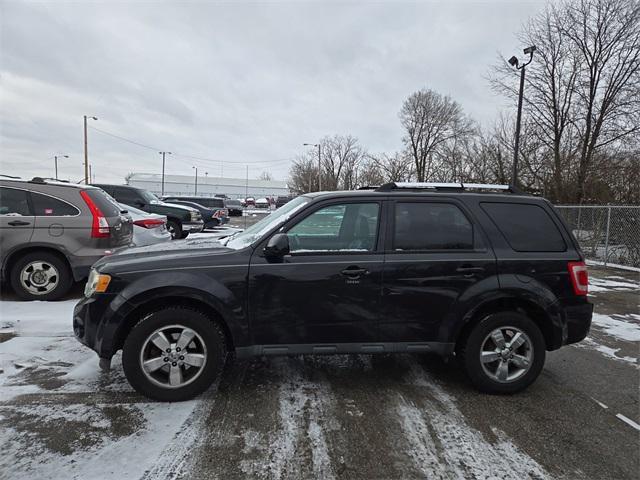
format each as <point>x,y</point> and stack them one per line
<point>92,326</point>
<point>193,227</point>
<point>578,321</point>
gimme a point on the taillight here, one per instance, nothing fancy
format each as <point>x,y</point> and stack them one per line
<point>149,222</point>
<point>99,225</point>
<point>579,277</point>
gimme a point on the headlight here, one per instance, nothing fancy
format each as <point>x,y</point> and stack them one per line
<point>96,283</point>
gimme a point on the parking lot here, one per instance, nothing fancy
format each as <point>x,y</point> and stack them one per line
<point>350,416</point>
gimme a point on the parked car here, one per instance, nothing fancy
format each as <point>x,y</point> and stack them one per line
<point>249,202</point>
<point>209,202</point>
<point>212,217</point>
<point>234,207</point>
<point>262,203</point>
<point>52,232</point>
<point>282,200</point>
<point>181,220</point>
<point>148,228</point>
<point>483,273</point>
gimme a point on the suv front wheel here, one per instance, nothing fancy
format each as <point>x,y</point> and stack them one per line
<point>173,354</point>
<point>504,353</point>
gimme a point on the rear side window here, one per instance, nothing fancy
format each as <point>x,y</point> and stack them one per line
<point>104,202</point>
<point>526,227</point>
<point>14,202</point>
<point>46,206</point>
<point>431,226</point>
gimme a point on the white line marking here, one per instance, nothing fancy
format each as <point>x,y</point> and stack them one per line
<point>600,403</point>
<point>628,421</point>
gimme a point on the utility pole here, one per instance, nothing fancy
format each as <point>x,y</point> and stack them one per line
<point>91,179</point>
<point>515,63</point>
<point>86,151</point>
<point>55,159</point>
<point>246,195</point>
<point>196,184</point>
<point>163,154</point>
<point>319,164</point>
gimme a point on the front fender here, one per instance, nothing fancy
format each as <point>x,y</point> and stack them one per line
<point>161,285</point>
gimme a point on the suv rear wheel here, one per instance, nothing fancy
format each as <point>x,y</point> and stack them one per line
<point>40,276</point>
<point>173,354</point>
<point>504,353</point>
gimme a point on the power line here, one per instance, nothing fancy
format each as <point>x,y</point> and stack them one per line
<point>278,161</point>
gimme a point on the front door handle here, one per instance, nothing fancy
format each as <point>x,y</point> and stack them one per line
<point>354,272</point>
<point>469,270</point>
<point>18,223</point>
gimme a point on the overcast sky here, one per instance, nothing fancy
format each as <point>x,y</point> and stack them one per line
<point>233,82</point>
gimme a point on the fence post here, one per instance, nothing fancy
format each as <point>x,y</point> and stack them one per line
<point>606,240</point>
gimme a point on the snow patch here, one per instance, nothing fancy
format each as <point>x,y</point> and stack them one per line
<point>622,327</point>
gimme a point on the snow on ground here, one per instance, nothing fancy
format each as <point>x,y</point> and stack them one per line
<point>55,420</point>
<point>597,284</point>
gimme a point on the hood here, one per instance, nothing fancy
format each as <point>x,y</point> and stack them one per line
<point>181,207</point>
<point>163,252</point>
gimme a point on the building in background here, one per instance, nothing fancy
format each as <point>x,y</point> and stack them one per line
<point>208,186</point>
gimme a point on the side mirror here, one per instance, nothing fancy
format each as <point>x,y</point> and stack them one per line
<point>277,246</point>
<point>140,204</point>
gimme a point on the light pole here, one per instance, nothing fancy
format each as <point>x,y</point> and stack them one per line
<point>86,152</point>
<point>513,61</point>
<point>55,160</point>
<point>319,163</point>
<point>196,184</point>
<point>163,154</point>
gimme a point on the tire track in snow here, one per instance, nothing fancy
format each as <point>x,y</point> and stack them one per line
<point>444,446</point>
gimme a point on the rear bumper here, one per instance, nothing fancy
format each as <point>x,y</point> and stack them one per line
<point>81,264</point>
<point>578,322</point>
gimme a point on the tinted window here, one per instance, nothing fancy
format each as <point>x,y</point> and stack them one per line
<point>126,195</point>
<point>526,227</point>
<point>431,226</point>
<point>46,206</point>
<point>14,202</point>
<point>104,202</point>
<point>345,227</point>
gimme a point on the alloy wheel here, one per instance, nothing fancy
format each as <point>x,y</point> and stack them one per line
<point>173,356</point>
<point>506,354</point>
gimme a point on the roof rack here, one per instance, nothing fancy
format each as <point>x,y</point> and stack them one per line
<point>387,187</point>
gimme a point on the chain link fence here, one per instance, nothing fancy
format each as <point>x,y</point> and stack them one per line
<point>606,234</point>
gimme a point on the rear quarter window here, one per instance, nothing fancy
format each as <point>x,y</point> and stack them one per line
<point>526,227</point>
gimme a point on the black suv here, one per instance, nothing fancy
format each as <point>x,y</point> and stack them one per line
<point>481,272</point>
<point>181,220</point>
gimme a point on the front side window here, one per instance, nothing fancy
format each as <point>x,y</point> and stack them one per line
<point>345,227</point>
<point>46,206</point>
<point>431,226</point>
<point>13,202</point>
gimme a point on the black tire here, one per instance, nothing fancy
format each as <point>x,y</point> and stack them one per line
<point>208,330</point>
<point>470,351</point>
<point>175,229</point>
<point>184,234</point>
<point>51,291</point>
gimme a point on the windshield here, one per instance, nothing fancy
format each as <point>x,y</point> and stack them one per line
<point>149,197</point>
<point>257,230</point>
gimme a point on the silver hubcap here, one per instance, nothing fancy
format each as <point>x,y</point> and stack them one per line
<point>173,356</point>
<point>39,278</point>
<point>506,354</point>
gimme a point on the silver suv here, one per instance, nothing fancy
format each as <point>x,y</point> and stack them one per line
<point>51,233</point>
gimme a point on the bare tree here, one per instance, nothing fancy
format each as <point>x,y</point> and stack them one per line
<point>265,176</point>
<point>340,157</point>
<point>430,121</point>
<point>303,175</point>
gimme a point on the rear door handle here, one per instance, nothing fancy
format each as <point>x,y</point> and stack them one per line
<point>354,272</point>
<point>18,223</point>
